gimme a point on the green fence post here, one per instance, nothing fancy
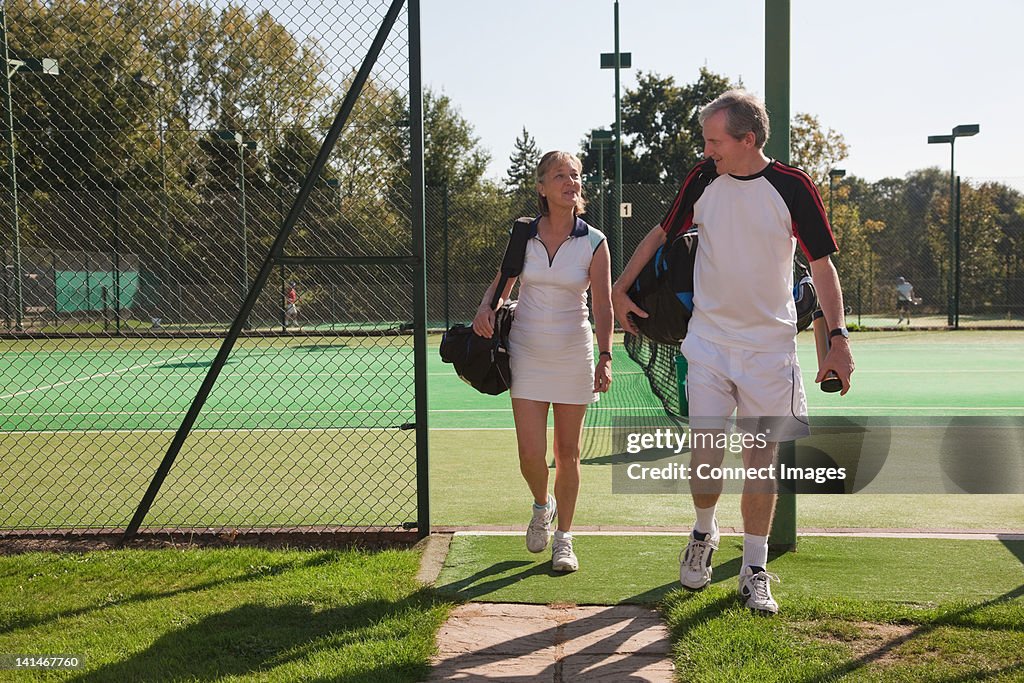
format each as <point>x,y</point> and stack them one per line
<point>681,367</point>
<point>776,78</point>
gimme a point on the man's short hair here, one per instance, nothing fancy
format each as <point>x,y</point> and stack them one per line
<point>744,113</point>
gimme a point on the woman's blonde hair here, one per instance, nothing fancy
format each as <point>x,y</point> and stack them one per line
<point>548,161</point>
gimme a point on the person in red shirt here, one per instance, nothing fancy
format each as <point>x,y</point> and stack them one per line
<point>291,310</point>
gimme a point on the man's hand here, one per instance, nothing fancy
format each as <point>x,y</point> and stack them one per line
<point>621,303</point>
<point>839,360</point>
<point>623,306</point>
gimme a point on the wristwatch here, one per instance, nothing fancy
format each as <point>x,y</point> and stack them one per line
<point>605,353</point>
<point>839,332</point>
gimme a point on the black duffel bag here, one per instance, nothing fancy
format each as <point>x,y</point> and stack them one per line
<point>481,362</point>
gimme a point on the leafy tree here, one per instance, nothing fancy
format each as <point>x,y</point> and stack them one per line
<point>521,174</point>
<point>815,149</point>
<point>661,136</point>
<point>451,154</point>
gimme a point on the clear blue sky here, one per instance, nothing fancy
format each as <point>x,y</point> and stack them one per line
<point>884,73</point>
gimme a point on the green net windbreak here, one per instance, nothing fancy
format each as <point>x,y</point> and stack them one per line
<point>154,167</point>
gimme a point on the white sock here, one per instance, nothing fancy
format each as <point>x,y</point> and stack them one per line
<point>755,551</point>
<point>705,523</point>
<point>563,535</point>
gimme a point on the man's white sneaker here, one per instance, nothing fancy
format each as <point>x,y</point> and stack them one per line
<point>756,591</point>
<point>563,559</point>
<point>540,526</point>
<point>695,560</point>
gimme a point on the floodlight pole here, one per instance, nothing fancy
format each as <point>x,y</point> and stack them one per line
<point>617,256</point>
<point>10,66</point>
<point>245,228</point>
<point>599,139</point>
<point>13,172</point>
<point>617,60</point>
<point>956,256</point>
<point>243,144</point>
<point>162,123</point>
<point>953,278</point>
<point>834,174</point>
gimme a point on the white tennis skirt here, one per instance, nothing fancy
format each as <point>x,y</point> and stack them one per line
<point>554,368</point>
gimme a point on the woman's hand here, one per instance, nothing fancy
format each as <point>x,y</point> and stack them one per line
<point>603,374</point>
<point>483,323</point>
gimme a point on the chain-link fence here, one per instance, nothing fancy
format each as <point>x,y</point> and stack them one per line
<point>157,148</point>
<point>885,231</point>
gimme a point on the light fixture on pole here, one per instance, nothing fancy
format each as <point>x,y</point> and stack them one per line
<point>599,140</point>
<point>161,123</point>
<point>833,175</point>
<point>243,144</point>
<point>617,60</point>
<point>953,281</point>
<point>44,66</point>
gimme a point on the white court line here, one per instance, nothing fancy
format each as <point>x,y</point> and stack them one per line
<point>852,411</point>
<point>327,375</point>
<point>97,376</point>
<point>260,430</point>
<point>294,412</point>
<point>268,430</point>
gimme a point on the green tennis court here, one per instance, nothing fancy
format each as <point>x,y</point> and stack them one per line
<point>282,397</point>
<point>289,384</point>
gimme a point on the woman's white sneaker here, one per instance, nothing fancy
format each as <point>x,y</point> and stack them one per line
<point>563,559</point>
<point>540,526</point>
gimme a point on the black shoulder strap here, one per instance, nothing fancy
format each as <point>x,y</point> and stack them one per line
<point>515,255</point>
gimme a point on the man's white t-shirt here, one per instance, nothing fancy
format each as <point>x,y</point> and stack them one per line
<point>748,229</point>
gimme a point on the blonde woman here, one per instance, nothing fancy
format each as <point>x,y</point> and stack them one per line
<point>552,348</point>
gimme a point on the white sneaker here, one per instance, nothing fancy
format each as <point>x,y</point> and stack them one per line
<point>540,526</point>
<point>695,561</point>
<point>755,590</point>
<point>563,559</point>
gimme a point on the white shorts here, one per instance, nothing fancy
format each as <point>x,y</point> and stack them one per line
<point>764,389</point>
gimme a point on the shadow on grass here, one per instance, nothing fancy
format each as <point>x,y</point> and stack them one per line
<point>256,574</point>
<point>467,589</point>
<point>257,638</point>
<point>958,617</point>
<point>1014,546</point>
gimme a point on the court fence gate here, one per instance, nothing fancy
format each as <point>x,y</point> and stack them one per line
<point>213,292</point>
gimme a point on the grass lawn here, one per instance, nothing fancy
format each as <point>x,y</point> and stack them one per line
<point>826,639</point>
<point>222,614</point>
<point>853,609</point>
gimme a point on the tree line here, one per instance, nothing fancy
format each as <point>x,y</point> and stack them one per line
<point>133,129</point>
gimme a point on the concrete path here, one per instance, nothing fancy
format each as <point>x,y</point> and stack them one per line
<point>520,643</point>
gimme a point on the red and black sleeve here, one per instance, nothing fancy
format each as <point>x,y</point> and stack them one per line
<point>810,221</point>
<point>680,216</point>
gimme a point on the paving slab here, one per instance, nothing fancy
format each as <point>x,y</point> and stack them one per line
<point>519,643</point>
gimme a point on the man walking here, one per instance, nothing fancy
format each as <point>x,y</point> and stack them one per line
<point>750,212</point>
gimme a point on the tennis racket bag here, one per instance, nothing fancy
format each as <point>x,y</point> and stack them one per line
<point>804,296</point>
<point>664,289</point>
